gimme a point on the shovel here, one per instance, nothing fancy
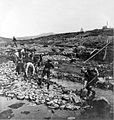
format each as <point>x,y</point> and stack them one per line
<point>89,82</point>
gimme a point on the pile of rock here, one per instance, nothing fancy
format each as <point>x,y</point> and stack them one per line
<point>56,58</point>
<point>57,97</point>
<point>14,86</point>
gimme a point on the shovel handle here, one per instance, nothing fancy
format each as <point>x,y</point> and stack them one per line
<point>89,82</point>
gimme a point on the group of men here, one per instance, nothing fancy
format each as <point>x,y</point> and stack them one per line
<point>28,63</point>
<point>23,59</point>
<point>26,60</point>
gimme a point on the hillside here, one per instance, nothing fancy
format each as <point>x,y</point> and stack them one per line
<point>96,38</point>
<point>72,37</point>
<point>5,40</point>
<point>65,38</point>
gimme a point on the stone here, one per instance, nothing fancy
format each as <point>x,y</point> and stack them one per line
<point>71,118</point>
<point>1,92</point>
<point>62,106</point>
<point>101,104</point>
<point>65,97</point>
<point>69,106</point>
<point>20,97</point>
<point>76,99</point>
<point>56,105</point>
<point>49,103</point>
<point>10,95</point>
<point>76,107</point>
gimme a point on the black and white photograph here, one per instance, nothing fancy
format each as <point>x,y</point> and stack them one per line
<point>56,59</point>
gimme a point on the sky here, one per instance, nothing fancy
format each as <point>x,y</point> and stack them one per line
<point>32,17</point>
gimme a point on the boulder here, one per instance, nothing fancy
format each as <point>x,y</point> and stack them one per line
<point>76,99</point>
<point>65,97</point>
<point>62,106</point>
<point>101,105</point>
<point>69,106</point>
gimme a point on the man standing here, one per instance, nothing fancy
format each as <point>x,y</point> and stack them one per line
<point>20,67</point>
<point>15,41</point>
<point>46,71</point>
<point>40,60</point>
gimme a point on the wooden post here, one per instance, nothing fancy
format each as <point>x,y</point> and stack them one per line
<point>97,52</point>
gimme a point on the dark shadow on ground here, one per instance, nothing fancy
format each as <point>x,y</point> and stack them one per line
<point>16,105</point>
<point>7,114</point>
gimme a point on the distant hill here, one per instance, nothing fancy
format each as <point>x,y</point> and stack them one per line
<point>4,41</point>
<point>34,37</point>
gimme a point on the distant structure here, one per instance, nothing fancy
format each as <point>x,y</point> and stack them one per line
<point>81,30</point>
<point>106,26</point>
